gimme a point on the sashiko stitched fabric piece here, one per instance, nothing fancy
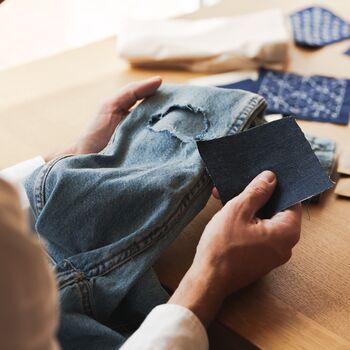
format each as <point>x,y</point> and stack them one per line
<point>233,161</point>
<point>316,27</point>
<point>315,97</point>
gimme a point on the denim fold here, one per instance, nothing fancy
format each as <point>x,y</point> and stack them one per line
<point>105,218</point>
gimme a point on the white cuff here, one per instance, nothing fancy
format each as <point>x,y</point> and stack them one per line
<point>17,173</point>
<point>169,326</point>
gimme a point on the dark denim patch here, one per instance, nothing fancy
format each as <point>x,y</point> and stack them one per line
<point>233,161</point>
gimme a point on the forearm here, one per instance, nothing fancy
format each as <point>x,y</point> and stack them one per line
<point>199,292</point>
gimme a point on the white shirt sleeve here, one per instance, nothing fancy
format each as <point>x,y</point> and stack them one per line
<point>17,173</point>
<point>169,326</point>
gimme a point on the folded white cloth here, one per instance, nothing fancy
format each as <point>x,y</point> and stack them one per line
<point>210,45</point>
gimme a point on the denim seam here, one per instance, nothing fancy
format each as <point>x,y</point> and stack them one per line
<point>68,281</point>
<point>155,235</point>
<point>39,194</point>
<point>39,187</point>
<point>85,292</point>
<point>136,248</point>
<point>84,288</point>
<point>37,191</point>
<point>247,112</point>
<point>82,282</point>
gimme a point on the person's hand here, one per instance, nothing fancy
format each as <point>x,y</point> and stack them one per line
<point>243,247</point>
<point>237,248</point>
<point>100,129</point>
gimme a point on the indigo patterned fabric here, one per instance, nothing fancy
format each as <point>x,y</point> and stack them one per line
<point>233,161</point>
<point>316,97</point>
<point>316,27</point>
<point>347,52</point>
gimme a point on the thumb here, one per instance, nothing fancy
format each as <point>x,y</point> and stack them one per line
<point>134,92</point>
<point>257,193</point>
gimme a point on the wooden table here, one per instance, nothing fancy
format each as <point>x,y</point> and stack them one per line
<point>302,305</point>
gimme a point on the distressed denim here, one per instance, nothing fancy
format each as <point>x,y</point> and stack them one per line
<point>105,218</point>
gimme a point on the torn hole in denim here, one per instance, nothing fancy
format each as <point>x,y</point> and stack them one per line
<point>187,123</point>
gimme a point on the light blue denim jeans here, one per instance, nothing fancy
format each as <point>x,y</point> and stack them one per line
<point>105,218</point>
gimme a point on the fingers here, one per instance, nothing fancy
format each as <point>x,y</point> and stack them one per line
<point>215,193</point>
<point>290,215</point>
<point>134,92</point>
<point>286,224</point>
<point>257,193</point>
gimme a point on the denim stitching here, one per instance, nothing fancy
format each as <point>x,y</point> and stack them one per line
<point>37,190</point>
<point>135,248</point>
<point>243,120</point>
<point>83,284</point>
<point>69,273</point>
<point>39,187</point>
<point>85,293</point>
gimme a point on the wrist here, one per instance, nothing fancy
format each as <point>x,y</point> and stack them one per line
<point>199,293</point>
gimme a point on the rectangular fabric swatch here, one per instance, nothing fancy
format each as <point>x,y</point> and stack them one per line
<point>233,161</point>
<point>315,97</point>
<point>316,27</point>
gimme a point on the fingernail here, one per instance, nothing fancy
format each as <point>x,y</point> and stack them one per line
<point>268,176</point>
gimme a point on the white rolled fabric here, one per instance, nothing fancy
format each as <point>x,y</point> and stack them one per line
<point>209,45</point>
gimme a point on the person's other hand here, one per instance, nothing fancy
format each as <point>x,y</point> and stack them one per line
<point>242,247</point>
<point>237,248</point>
<point>97,134</point>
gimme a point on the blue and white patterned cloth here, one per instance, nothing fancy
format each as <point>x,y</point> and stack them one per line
<point>315,97</point>
<point>316,27</point>
<point>347,52</point>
